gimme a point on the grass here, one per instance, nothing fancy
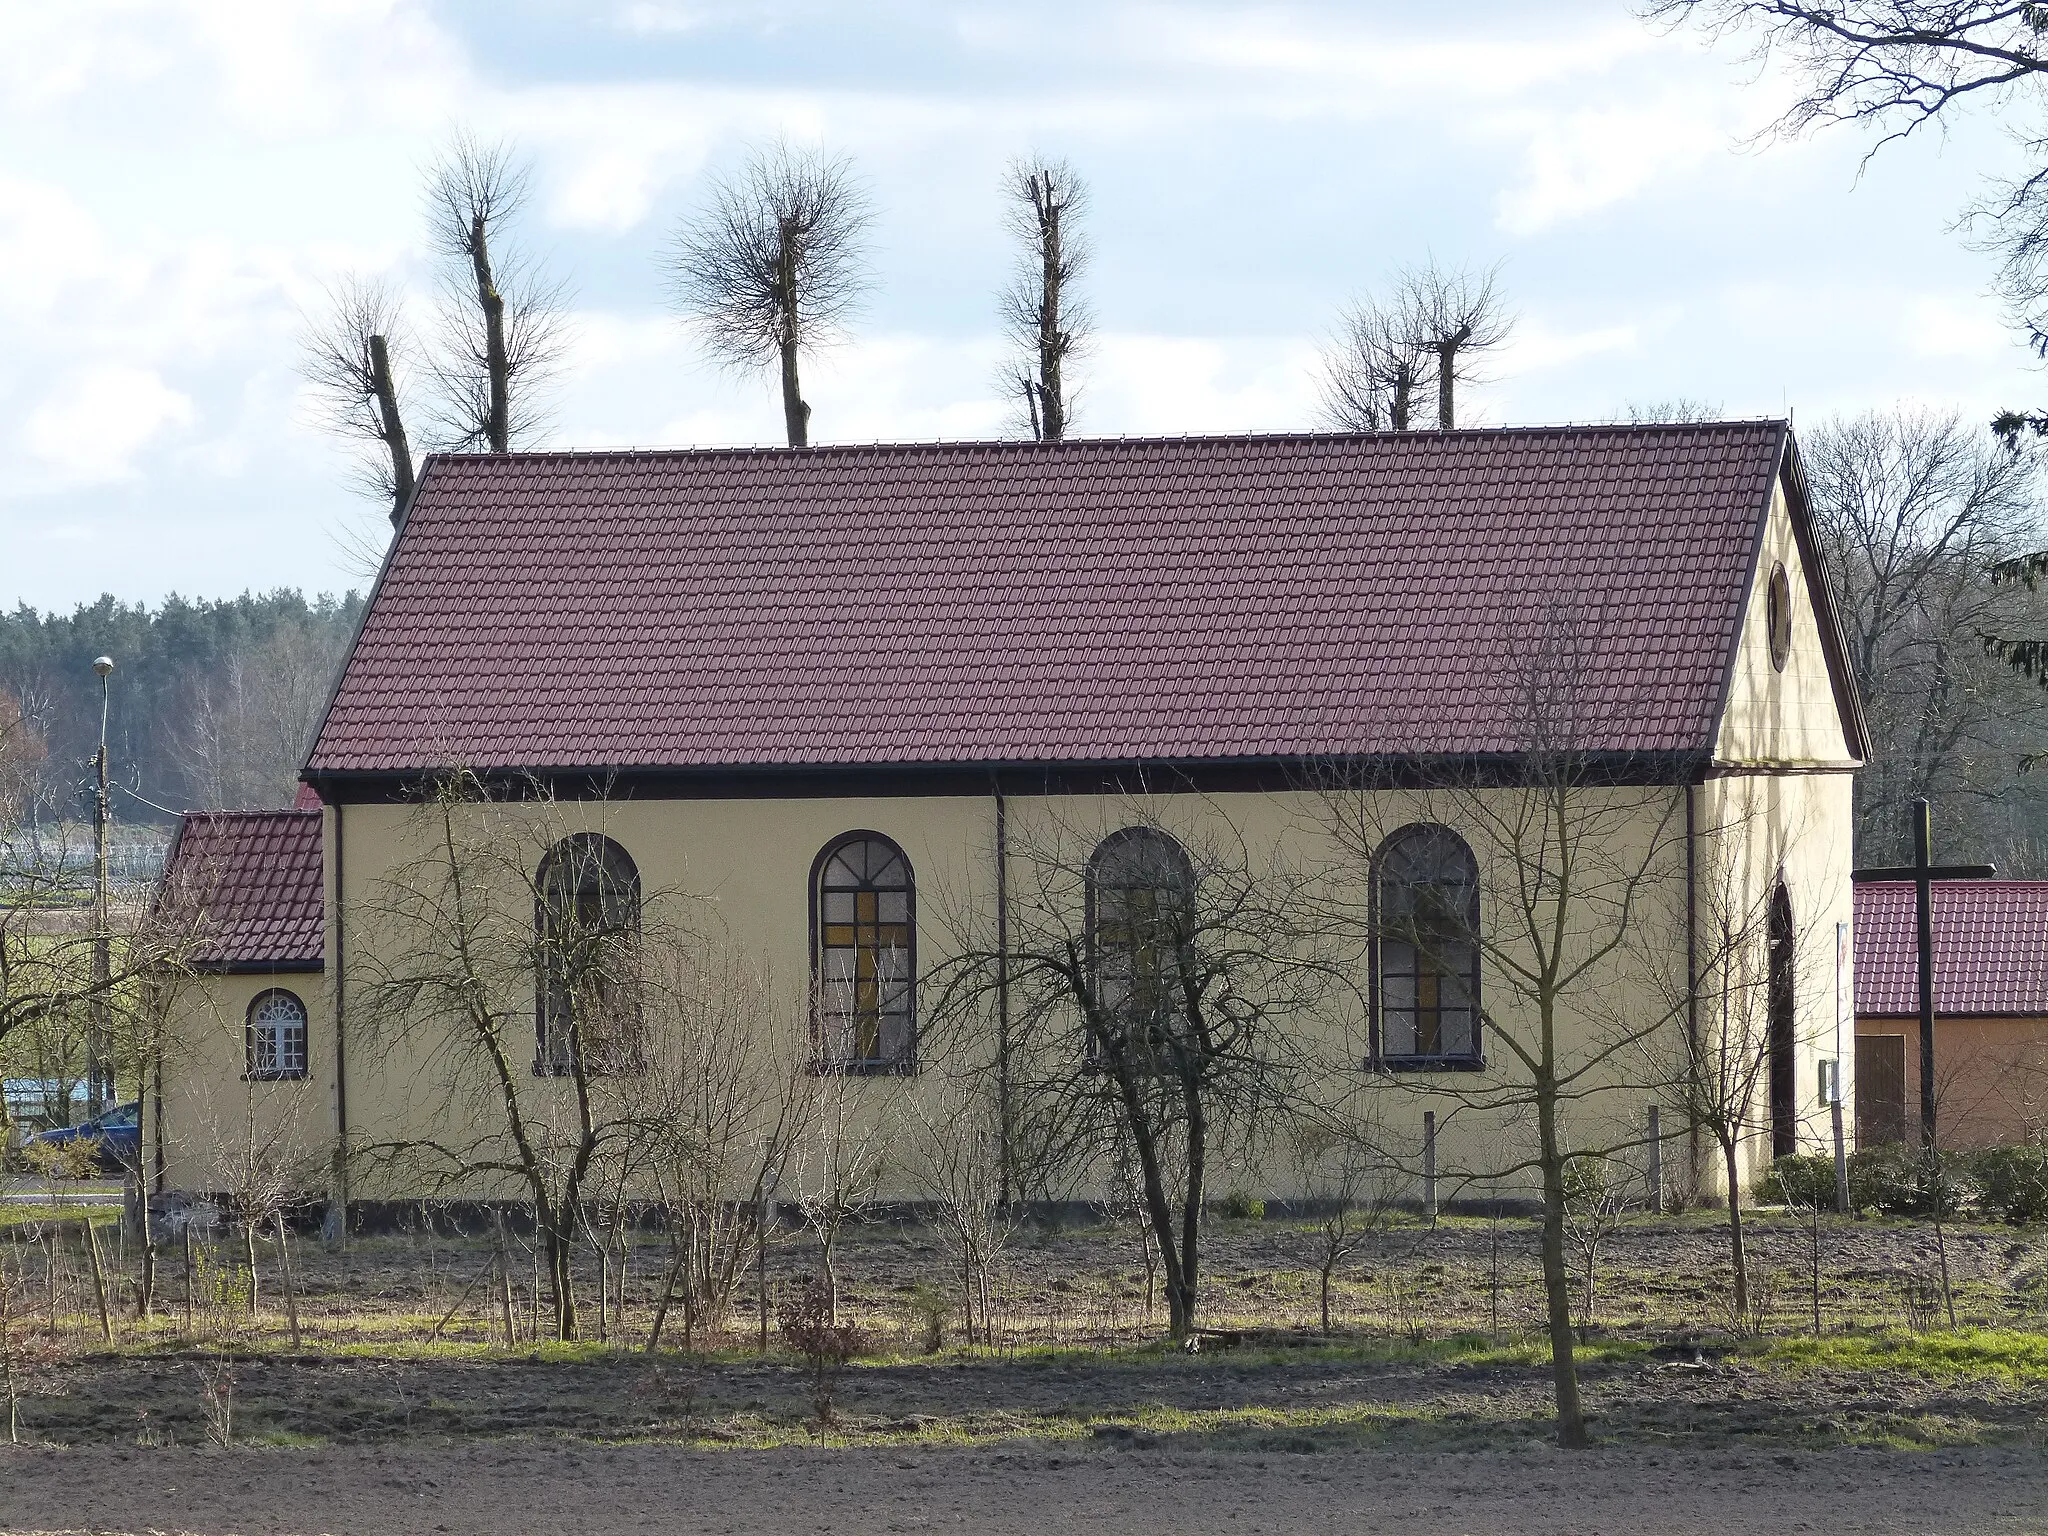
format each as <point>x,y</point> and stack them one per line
<point>1999,1354</point>
<point>17,1215</point>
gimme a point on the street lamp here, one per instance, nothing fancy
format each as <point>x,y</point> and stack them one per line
<point>99,1066</point>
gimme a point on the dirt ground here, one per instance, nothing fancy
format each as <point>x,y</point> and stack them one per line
<point>545,1489</point>
<point>1429,1411</point>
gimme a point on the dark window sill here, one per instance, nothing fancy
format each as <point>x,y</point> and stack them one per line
<point>1426,1064</point>
<point>863,1069</point>
<point>273,1077</point>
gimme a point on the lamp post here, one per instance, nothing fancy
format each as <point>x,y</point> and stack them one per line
<point>99,1067</point>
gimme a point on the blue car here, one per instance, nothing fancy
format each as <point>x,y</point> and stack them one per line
<point>118,1132</point>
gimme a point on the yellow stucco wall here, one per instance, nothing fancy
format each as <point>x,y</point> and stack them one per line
<point>223,1133</point>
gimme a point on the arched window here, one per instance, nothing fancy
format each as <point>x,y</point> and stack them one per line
<point>1782,1001</point>
<point>275,1036</point>
<point>863,916</point>
<point>1427,956</point>
<point>1141,903</point>
<point>587,931</point>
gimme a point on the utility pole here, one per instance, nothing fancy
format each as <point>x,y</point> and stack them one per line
<point>1923,872</point>
<point>99,1066</point>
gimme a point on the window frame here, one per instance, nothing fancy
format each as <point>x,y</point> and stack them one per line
<point>822,1063</point>
<point>1380,1059</point>
<point>251,1072</point>
<point>546,1063</point>
<point>1778,616</point>
<point>1123,837</point>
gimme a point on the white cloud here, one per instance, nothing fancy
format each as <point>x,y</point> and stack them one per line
<point>90,427</point>
<point>1578,162</point>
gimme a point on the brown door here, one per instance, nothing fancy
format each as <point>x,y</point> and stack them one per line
<point>1880,1089</point>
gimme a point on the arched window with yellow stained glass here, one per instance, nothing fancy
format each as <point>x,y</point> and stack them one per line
<point>863,917</point>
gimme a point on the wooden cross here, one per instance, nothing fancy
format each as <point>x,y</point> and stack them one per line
<point>1923,872</point>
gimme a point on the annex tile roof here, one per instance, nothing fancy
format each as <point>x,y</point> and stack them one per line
<point>1990,948</point>
<point>256,877</point>
<point>1088,601</point>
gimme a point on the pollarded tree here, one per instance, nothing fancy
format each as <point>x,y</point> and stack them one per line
<point>1458,316</point>
<point>775,266</point>
<point>1047,321</point>
<point>501,316</point>
<point>1373,371</point>
<point>354,354</point>
<point>1158,988</point>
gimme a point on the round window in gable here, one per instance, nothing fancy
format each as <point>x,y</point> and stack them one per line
<point>1778,613</point>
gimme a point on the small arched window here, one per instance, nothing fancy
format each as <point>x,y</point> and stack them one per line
<point>275,1036</point>
<point>864,917</point>
<point>1426,991</point>
<point>587,936</point>
<point>1141,907</point>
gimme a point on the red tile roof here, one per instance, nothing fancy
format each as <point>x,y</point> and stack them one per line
<point>1098,601</point>
<point>1990,948</point>
<point>257,878</point>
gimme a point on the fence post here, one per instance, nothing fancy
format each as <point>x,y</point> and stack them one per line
<point>1429,1163</point>
<point>1656,1162</point>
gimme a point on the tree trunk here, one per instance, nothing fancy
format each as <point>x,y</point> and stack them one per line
<point>796,416</point>
<point>1329,1266</point>
<point>99,1283</point>
<point>1447,376</point>
<point>831,1272</point>
<point>497,363</point>
<point>249,1254</point>
<point>1402,406</point>
<point>1571,1418</point>
<point>1737,1254</point>
<point>1052,405</point>
<point>558,1245</point>
<point>504,1276</point>
<point>391,426</point>
<point>284,1268</point>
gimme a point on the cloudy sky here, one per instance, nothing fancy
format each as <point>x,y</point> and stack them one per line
<point>178,181</point>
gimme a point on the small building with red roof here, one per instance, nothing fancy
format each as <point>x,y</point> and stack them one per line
<point>854,714</point>
<point>1990,1012</point>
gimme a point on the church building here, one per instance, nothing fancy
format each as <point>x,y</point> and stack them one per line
<point>829,704</point>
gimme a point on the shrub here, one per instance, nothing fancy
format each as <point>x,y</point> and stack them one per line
<point>1899,1180</point>
<point>1239,1206</point>
<point>805,1318</point>
<point>1804,1179</point>
<point>932,1307</point>
<point>2013,1182</point>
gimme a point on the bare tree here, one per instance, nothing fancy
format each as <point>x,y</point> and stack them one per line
<point>957,1162</point>
<point>836,1168</point>
<point>1047,322</point>
<point>1351,1186</point>
<point>1910,506</point>
<point>1373,371</point>
<point>501,317</point>
<point>245,727</point>
<point>1433,328</point>
<point>511,958</point>
<point>353,354</point>
<point>1457,315</point>
<point>1157,988</point>
<point>1676,410</point>
<point>1567,930</point>
<point>1895,66</point>
<point>723,1099</point>
<point>775,266</point>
